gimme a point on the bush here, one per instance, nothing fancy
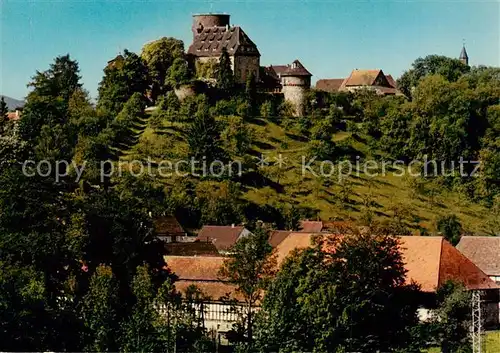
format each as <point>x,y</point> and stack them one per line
<point>450,227</point>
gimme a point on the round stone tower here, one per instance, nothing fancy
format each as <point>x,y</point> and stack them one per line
<point>201,21</point>
<point>296,81</point>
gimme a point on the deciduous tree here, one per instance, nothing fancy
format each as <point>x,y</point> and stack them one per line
<point>250,267</point>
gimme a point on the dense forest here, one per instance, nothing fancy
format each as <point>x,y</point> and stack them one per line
<point>81,268</point>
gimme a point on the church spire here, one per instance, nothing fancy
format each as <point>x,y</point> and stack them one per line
<point>464,58</point>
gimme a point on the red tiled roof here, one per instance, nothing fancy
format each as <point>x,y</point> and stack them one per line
<point>210,41</point>
<point>223,237</point>
<point>201,271</point>
<point>361,78</point>
<point>329,84</point>
<point>13,116</point>
<point>430,261</point>
<point>277,236</point>
<point>391,81</point>
<point>483,251</point>
<point>279,69</point>
<point>191,249</point>
<point>311,226</point>
<point>296,69</point>
<point>385,90</point>
<point>293,241</point>
<point>195,268</point>
<point>455,266</point>
<point>168,225</point>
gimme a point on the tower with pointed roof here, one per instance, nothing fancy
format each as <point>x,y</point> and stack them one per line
<point>464,58</point>
<point>296,81</point>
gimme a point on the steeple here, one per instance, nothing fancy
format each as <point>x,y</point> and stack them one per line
<point>464,58</point>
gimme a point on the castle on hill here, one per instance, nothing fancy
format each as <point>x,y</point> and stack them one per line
<point>213,32</point>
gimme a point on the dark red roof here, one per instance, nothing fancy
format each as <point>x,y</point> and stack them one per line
<point>196,248</point>
<point>296,69</point>
<point>277,236</point>
<point>329,84</point>
<point>483,251</point>
<point>430,261</point>
<point>279,69</point>
<point>210,41</point>
<point>168,225</point>
<point>223,237</point>
<point>311,226</point>
<point>13,115</point>
<point>391,81</point>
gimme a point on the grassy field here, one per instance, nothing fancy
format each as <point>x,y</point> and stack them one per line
<point>384,196</point>
<point>491,343</point>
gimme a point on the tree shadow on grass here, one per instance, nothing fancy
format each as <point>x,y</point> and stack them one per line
<point>263,145</point>
<point>255,179</point>
<point>296,137</point>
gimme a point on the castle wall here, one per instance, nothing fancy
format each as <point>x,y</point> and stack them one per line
<point>244,65</point>
<point>241,65</point>
<point>294,91</point>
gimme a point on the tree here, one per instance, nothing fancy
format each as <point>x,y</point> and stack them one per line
<point>343,294</point>
<point>3,112</point>
<point>59,81</point>
<point>249,267</point>
<point>225,77</point>
<point>449,226</point>
<point>159,56</point>
<point>203,135</point>
<point>140,330</point>
<point>178,74</point>
<point>251,92</point>
<point>451,323</point>
<point>47,103</point>
<point>123,76</point>
<point>219,202</point>
<point>100,311</point>
<point>237,136</point>
<point>451,69</point>
<point>22,308</point>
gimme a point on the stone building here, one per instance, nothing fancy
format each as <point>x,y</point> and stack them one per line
<point>212,33</point>
<point>374,80</point>
<point>292,80</point>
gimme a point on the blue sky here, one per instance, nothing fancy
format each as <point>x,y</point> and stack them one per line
<point>329,37</point>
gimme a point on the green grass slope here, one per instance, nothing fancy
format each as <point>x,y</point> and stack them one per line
<point>386,197</point>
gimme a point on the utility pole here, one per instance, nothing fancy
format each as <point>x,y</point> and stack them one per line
<point>477,327</point>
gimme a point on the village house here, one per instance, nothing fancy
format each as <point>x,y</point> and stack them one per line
<point>201,272</point>
<point>484,252</point>
<point>374,80</point>
<point>169,230</point>
<point>430,262</point>
<point>222,237</point>
<point>14,115</point>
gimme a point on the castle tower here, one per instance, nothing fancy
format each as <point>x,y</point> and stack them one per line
<point>202,21</point>
<point>464,58</point>
<point>296,81</point>
<point>212,33</point>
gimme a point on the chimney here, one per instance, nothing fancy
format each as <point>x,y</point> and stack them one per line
<point>232,225</point>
